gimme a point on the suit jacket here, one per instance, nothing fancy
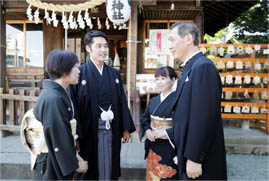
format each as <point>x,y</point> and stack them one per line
<point>197,128</point>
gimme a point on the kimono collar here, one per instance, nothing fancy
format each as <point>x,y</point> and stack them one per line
<point>162,97</point>
<point>47,83</point>
<point>100,71</point>
<point>184,63</point>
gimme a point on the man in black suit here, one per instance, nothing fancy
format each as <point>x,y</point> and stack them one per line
<point>197,131</point>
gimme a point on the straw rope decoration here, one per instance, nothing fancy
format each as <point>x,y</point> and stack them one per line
<point>65,8</point>
<point>68,20</point>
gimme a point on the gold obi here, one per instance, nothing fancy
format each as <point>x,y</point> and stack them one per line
<point>32,136</point>
<point>161,123</point>
<point>73,124</point>
<point>35,138</point>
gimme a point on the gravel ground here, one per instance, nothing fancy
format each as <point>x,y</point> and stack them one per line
<point>248,167</point>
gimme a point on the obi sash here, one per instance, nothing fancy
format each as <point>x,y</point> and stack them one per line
<point>161,123</point>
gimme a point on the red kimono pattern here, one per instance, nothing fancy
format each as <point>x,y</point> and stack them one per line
<point>155,170</point>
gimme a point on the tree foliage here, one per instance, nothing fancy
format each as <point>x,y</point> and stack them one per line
<point>252,26</point>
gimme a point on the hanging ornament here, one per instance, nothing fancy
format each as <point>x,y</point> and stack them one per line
<point>82,24</point>
<point>107,24</point>
<point>99,23</point>
<point>64,21</point>
<point>48,21</point>
<point>70,18</point>
<point>88,19</point>
<point>29,13</point>
<point>65,25</point>
<point>47,17</point>
<point>46,14</point>
<point>118,11</point>
<point>114,26</point>
<point>72,25</point>
<point>89,23</point>
<point>80,21</point>
<point>53,16</point>
<point>63,17</point>
<point>36,16</point>
<point>55,23</point>
<point>79,17</point>
<point>59,8</point>
<point>86,15</point>
<point>54,19</point>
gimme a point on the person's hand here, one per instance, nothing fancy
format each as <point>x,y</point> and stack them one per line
<point>193,169</point>
<point>149,135</point>
<point>82,166</point>
<point>126,136</point>
<point>79,157</point>
<point>158,133</point>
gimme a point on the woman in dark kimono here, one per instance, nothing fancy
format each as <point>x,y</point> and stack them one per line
<point>54,109</point>
<point>160,153</point>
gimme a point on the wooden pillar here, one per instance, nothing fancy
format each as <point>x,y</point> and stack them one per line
<point>3,46</point>
<point>199,20</point>
<point>53,38</point>
<point>132,52</point>
<point>2,65</point>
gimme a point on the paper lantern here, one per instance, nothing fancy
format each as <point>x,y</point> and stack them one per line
<point>118,11</point>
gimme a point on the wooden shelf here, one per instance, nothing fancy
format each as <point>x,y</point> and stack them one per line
<point>244,74</point>
<point>252,60</point>
<point>241,104</point>
<point>245,116</point>
<point>259,90</point>
<point>264,127</point>
<point>235,45</point>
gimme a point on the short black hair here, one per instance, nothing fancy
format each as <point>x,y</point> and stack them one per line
<point>94,33</point>
<point>60,62</point>
<point>166,71</point>
<point>184,28</point>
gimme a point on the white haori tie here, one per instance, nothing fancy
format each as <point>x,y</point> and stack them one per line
<point>107,116</point>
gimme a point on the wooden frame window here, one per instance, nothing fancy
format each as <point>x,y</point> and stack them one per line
<point>24,44</point>
<point>156,53</point>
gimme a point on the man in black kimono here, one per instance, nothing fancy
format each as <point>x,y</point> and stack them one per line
<point>101,110</point>
<point>197,125</point>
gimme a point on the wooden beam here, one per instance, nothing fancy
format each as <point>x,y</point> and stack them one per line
<point>10,127</point>
<point>199,21</point>
<point>2,47</point>
<point>2,108</point>
<point>244,116</point>
<point>132,52</point>
<point>3,83</point>
<point>148,2</point>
